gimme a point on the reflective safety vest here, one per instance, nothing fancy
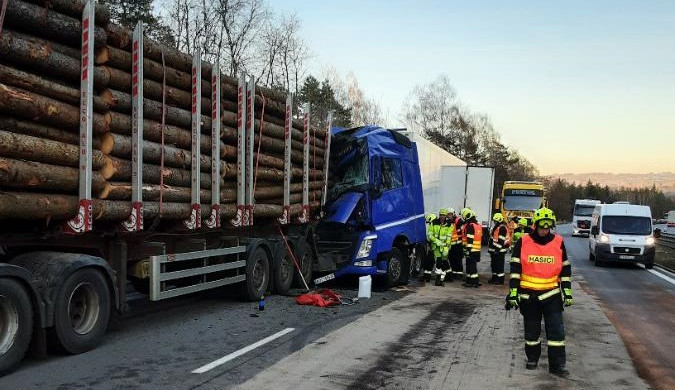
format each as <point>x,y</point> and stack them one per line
<point>477,237</point>
<point>507,238</point>
<point>439,235</point>
<point>456,233</point>
<point>541,264</point>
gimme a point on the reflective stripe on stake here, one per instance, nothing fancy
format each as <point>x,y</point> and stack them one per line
<point>214,218</point>
<point>82,222</point>
<point>241,151</point>
<point>304,217</point>
<point>288,126</point>
<point>250,144</point>
<point>326,157</point>
<point>134,222</point>
<point>195,220</point>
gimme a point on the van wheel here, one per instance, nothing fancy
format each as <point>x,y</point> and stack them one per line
<point>591,255</point>
<point>649,265</point>
<point>598,261</point>
<point>16,324</point>
<point>82,312</point>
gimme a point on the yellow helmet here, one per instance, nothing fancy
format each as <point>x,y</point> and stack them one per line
<point>498,217</point>
<point>430,217</point>
<point>522,222</point>
<point>443,211</point>
<point>544,217</point>
<point>467,213</point>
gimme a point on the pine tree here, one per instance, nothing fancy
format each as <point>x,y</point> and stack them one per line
<point>128,12</point>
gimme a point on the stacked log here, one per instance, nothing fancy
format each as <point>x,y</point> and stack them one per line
<point>40,55</point>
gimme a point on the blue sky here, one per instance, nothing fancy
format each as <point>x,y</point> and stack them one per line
<point>575,86</point>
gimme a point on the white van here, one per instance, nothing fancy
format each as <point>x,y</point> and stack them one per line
<point>622,233</point>
<point>581,216</point>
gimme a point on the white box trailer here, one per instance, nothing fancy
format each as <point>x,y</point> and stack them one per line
<point>448,181</point>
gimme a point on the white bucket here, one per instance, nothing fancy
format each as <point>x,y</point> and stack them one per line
<point>365,283</point>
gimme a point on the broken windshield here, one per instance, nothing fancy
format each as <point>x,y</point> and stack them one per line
<point>350,173</point>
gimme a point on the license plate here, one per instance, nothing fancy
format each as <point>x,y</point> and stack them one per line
<point>626,257</point>
<point>324,279</point>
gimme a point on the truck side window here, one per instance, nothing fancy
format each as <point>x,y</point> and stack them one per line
<point>392,174</point>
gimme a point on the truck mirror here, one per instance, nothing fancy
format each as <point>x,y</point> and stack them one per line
<point>595,230</point>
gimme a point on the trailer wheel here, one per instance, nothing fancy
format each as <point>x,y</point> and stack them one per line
<point>81,312</point>
<point>416,255</point>
<point>257,275</point>
<point>283,274</point>
<point>16,324</point>
<point>395,267</point>
<point>305,260</point>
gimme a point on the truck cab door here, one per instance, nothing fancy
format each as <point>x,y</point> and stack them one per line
<point>391,199</point>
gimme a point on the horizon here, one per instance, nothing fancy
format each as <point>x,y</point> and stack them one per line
<point>595,75</point>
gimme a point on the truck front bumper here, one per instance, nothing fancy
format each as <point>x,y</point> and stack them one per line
<point>603,253</point>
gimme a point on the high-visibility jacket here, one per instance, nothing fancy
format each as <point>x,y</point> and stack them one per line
<point>456,231</point>
<point>472,241</point>
<point>440,238</point>
<point>500,239</point>
<point>540,264</point>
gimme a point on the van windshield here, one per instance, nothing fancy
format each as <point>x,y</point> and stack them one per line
<point>581,210</point>
<point>628,225</point>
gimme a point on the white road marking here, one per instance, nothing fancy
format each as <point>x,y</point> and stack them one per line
<point>242,351</point>
<point>660,275</point>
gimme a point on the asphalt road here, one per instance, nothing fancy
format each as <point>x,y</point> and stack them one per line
<point>159,345</point>
<point>641,305</point>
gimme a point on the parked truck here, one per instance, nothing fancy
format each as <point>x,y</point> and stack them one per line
<point>521,199</point>
<point>128,165</point>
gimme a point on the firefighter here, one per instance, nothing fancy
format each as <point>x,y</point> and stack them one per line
<point>521,230</point>
<point>456,249</point>
<point>472,237</point>
<point>540,285</point>
<point>499,243</point>
<point>428,264</point>
<point>443,235</point>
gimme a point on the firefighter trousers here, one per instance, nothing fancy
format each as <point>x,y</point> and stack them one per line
<point>497,263</point>
<point>456,261</point>
<point>428,260</point>
<point>472,268</point>
<point>551,309</point>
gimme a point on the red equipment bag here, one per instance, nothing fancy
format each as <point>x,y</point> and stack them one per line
<point>321,298</point>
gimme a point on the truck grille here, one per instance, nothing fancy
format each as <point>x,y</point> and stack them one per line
<point>626,250</point>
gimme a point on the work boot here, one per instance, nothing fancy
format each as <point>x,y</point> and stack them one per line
<point>467,283</point>
<point>493,280</point>
<point>559,371</point>
<point>427,278</point>
<point>448,277</point>
<point>500,280</point>
<point>439,282</point>
<point>531,365</point>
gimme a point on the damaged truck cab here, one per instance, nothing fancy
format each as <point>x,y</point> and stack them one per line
<point>374,215</point>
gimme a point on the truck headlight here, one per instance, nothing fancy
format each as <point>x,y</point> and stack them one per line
<point>366,246</point>
<point>650,241</point>
<point>604,238</point>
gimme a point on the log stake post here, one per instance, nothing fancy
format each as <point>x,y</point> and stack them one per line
<point>238,220</point>
<point>214,219</point>
<point>304,215</point>
<point>250,147</point>
<point>195,220</point>
<point>286,216</point>
<point>326,157</point>
<point>82,222</point>
<point>135,221</point>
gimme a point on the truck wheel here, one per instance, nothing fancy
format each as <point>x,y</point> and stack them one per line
<point>16,324</point>
<point>283,274</point>
<point>305,260</point>
<point>395,268</point>
<point>649,265</point>
<point>81,312</point>
<point>257,275</point>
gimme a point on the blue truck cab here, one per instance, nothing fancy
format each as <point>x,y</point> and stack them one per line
<point>374,213</point>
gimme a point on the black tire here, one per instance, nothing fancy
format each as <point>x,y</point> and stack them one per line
<point>257,275</point>
<point>16,324</point>
<point>283,273</point>
<point>305,261</point>
<point>81,312</point>
<point>395,264</point>
<point>649,265</point>
<point>591,255</point>
<point>598,261</point>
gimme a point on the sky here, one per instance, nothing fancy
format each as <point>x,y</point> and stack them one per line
<point>574,86</point>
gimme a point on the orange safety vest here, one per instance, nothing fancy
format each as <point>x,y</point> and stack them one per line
<point>507,239</point>
<point>541,264</point>
<point>477,236</point>
<point>455,239</point>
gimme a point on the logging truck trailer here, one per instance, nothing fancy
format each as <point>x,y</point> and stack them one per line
<point>67,261</point>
